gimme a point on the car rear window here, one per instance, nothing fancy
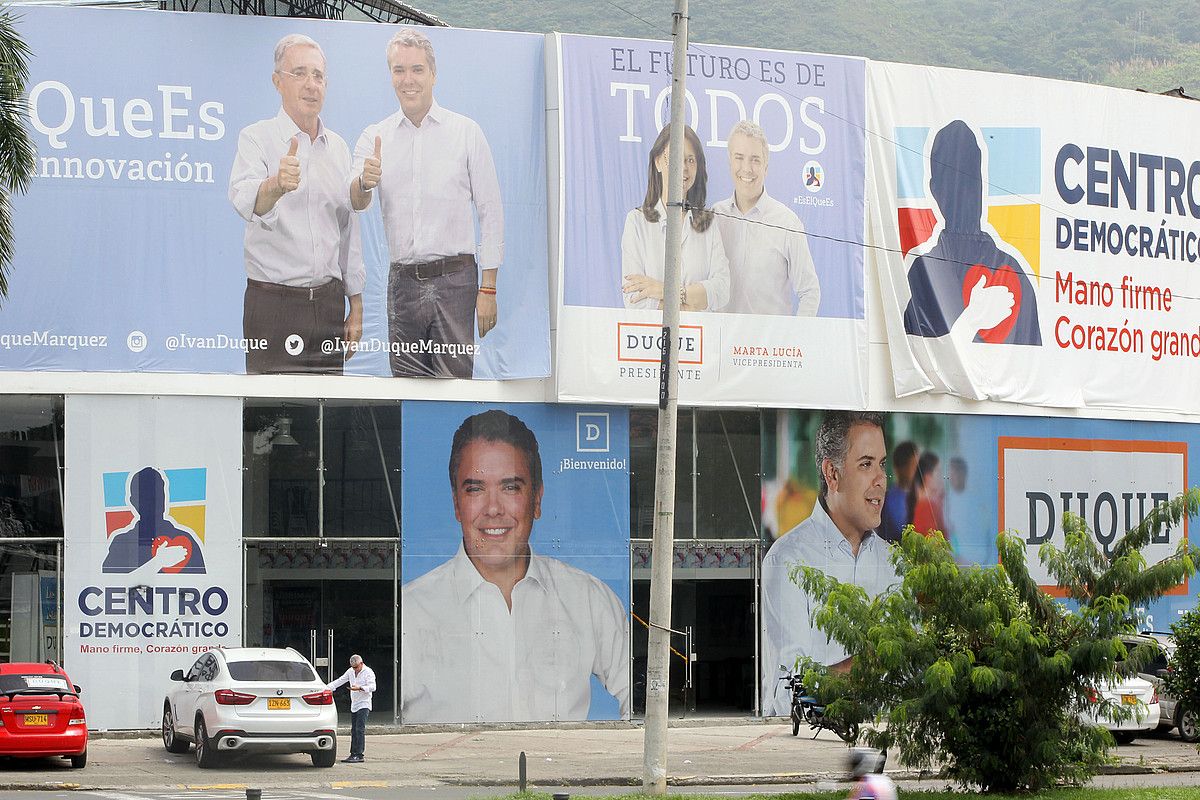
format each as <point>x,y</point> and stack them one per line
<point>28,684</point>
<point>286,671</point>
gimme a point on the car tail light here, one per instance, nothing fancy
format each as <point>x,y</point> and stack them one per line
<point>228,697</point>
<point>321,698</point>
<point>1092,696</point>
<point>77,721</point>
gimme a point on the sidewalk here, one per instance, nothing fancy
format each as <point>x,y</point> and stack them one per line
<point>720,752</point>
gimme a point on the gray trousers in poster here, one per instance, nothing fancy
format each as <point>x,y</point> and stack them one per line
<point>432,303</point>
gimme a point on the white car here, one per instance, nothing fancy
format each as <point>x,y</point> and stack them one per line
<point>1134,694</point>
<point>1174,714</point>
<point>250,700</point>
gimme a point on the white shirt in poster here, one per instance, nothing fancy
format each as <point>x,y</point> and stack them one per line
<point>311,235</point>
<point>702,258</point>
<point>770,268</point>
<point>436,179</point>
<point>467,658</point>
<point>788,632</point>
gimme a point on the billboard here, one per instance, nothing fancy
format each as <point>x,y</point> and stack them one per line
<point>196,214</point>
<point>966,476</point>
<point>772,261</point>
<point>515,571</point>
<point>152,571</point>
<point>1034,238</point>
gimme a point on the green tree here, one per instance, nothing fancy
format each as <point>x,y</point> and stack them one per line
<point>1183,675</point>
<point>977,669</point>
<point>16,146</point>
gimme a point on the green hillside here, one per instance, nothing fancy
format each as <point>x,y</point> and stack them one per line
<point>1129,43</point>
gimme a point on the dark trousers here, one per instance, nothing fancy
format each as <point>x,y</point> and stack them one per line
<point>279,314</point>
<point>435,311</point>
<point>358,731</point>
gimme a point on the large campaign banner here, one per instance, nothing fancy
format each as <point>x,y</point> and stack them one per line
<point>969,477</point>
<point>153,564</point>
<point>1035,239</point>
<point>515,567</point>
<point>772,260</point>
<point>192,210</point>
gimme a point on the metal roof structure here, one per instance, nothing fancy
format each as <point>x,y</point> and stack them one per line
<point>375,10</point>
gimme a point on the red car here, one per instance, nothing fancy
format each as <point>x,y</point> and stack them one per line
<point>40,713</point>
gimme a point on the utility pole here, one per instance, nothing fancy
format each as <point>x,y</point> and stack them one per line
<point>658,654</point>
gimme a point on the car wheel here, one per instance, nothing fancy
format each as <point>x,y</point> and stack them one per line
<point>1124,737</point>
<point>170,740</point>
<point>79,761</point>
<point>206,750</point>
<point>1188,722</point>
<point>324,758</point>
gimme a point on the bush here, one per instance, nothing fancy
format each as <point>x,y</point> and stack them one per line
<point>1183,677</point>
<point>976,668</point>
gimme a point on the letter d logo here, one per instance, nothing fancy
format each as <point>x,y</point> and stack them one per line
<point>591,432</point>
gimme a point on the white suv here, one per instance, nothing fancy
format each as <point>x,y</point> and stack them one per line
<point>250,700</point>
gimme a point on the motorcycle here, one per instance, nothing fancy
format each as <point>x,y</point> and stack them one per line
<point>805,708</point>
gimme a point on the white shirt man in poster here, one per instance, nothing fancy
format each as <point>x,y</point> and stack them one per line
<point>499,633</point>
<point>435,175</point>
<point>770,268</point>
<point>839,539</point>
<point>302,249</point>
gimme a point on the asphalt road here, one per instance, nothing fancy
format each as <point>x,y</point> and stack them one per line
<point>737,757</point>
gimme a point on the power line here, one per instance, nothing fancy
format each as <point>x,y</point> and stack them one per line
<point>881,137</point>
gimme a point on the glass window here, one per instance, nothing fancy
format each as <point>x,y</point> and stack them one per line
<point>31,461</point>
<point>280,454</point>
<point>718,482</point>
<point>643,458</point>
<point>197,668</point>
<point>30,605</point>
<point>288,447</point>
<point>276,671</point>
<point>362,470</point>
<point>728,484</point>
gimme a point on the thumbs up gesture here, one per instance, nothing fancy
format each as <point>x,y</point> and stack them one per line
<point>372,168</point>
<point>289,168</point>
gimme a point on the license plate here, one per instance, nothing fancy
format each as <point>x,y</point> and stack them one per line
<point>279,703</point>
<point>37,720</point>
<point>1129,700</point>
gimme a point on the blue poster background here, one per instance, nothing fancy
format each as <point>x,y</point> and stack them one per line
<point>610,91</point>
<point>108,256</point>
<point>585,513</point>
<point>972,516</point>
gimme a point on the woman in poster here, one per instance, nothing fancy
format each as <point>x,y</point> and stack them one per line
<point>926,496</point>
<point>704,269</point>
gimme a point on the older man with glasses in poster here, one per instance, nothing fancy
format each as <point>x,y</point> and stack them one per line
<point>304,267</point>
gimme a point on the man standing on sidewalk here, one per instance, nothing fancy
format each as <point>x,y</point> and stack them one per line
<point>362,685</point>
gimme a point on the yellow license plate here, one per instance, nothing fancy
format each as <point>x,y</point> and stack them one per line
<point>1129,699</point>
<point>37,720</point>
<point>279,703</point>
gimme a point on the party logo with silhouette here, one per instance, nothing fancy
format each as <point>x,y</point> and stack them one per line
<point>969,230</point>
<point>154,519</point>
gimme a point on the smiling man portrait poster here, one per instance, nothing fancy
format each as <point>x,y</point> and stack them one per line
<point>500,631</point>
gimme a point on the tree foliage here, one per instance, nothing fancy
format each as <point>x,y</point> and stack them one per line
<point>16,146</point>
<point>976,668</point>
<point>1072,39</point>
<point>1183,678</point>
